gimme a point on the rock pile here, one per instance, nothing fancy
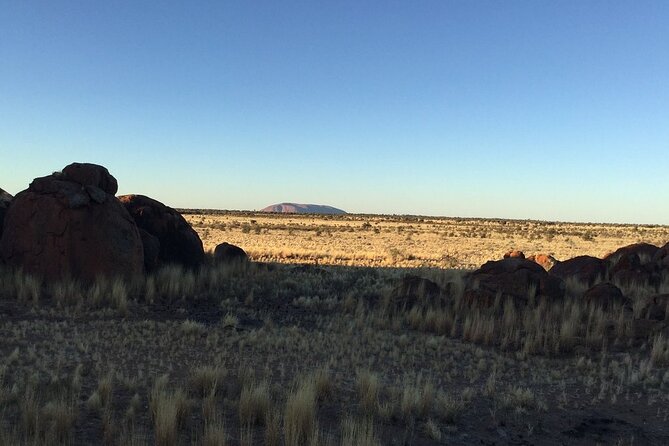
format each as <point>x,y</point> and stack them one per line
<point>70,225</point>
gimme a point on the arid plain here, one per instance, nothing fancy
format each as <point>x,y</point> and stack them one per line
<point>344,330</point>
<point>411,242</point>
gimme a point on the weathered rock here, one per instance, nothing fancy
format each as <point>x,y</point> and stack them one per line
<point>644,252</point>
<point>585,269</point>
<point>514,254</point>
<point>656,308</point>
<point>634,265</point>
<point>661,257</point>
<point>91,175</point>
<point>151,246</point>
<point>227,253</point>
<point>519,279</point>
<point>59,228</point>
<point>544,260</point>
<point>5,200</point>
<point>179,243</point>
<point>605,295</point>
<point>412,291</point>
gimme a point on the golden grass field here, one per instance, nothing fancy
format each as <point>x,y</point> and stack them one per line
<point>273,353</point>
<point>409,242</point>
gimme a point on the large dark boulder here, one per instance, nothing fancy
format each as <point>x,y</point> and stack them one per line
<point>585,269</point>
<point>5,200</point>
<point>661,257</point>
<point>151,246</point>
<point>655,307</point>
<point>227,253</point>
<point>634,265</point>
<point>72,227</point>
<point>605,295</point>
<point>414,291</point>
<point>644,251</point>
<point>519,279</point>
<point>179,243</point>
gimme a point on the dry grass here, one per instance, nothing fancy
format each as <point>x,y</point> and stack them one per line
<point>381,241</point>
<point>254,403</point>
<point>78,363</point>
<point>299,418</point>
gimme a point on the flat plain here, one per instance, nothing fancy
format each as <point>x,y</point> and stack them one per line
<point>310,343</point>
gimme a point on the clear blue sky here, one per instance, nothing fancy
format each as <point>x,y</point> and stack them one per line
<point>554,110</point>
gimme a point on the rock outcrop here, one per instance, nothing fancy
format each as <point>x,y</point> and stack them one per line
<point>605,295</point>
<point>546,261</point>
<point>515,278</point>
<point>584,269</point>
<point>298,208</point>
<point>179,243</point>
<point>5,200</point>
<point>227,253</point>
<point>412,291</point>
<point>69,224</point>
<point>514,254</point>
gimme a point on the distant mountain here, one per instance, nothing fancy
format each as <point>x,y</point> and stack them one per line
<point>297,208</point>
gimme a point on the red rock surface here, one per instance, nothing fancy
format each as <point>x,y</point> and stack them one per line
<point>605,295</point>
<point>516,278</point>
<point>297,208</point>
<point>585,269</point>
<point>544,260</point>
<point>413,291</point>
<point>5,200</point>
<point>61,228</point>
<point>179,243</point>
<point>227,253</point>
<point>514,254</point>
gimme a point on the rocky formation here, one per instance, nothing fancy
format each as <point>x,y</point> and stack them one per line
<point>635,265</point>
<point>655,308</point>
<point>151,246</point>
<point>70,224</point>
<point>546,261</point>
<point>5,200</point>
<point>584,269</point>
<point>514,254</point>
<point>412,291</point>
<point>605,295</point>
<point>227,253</point>
<point>661,257</point>
<point>297,208</point>
<point>179,243</point>
<point>645,252</point>
<point>515,278</point>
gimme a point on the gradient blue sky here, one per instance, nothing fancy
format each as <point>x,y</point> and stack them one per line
<point>555,110</point>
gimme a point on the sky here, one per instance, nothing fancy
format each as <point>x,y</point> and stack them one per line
<point>548,110</point>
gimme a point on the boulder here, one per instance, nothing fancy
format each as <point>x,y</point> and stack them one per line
<point>5,200</point>
<point>227,253</point>
<point>514,254</point>
<point>514,278</point>
<point>655,308</point>
<point>61,228</point>
<point>644,251</point>
<point>585,269</point>
<point>151,246</point>
<point>661,257</point>
<point>605,295</point>
<point>91,175</point>
<point>635,265</point>
<point>544,260</point>
<point>179,243</point>
<point>412,291</point>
